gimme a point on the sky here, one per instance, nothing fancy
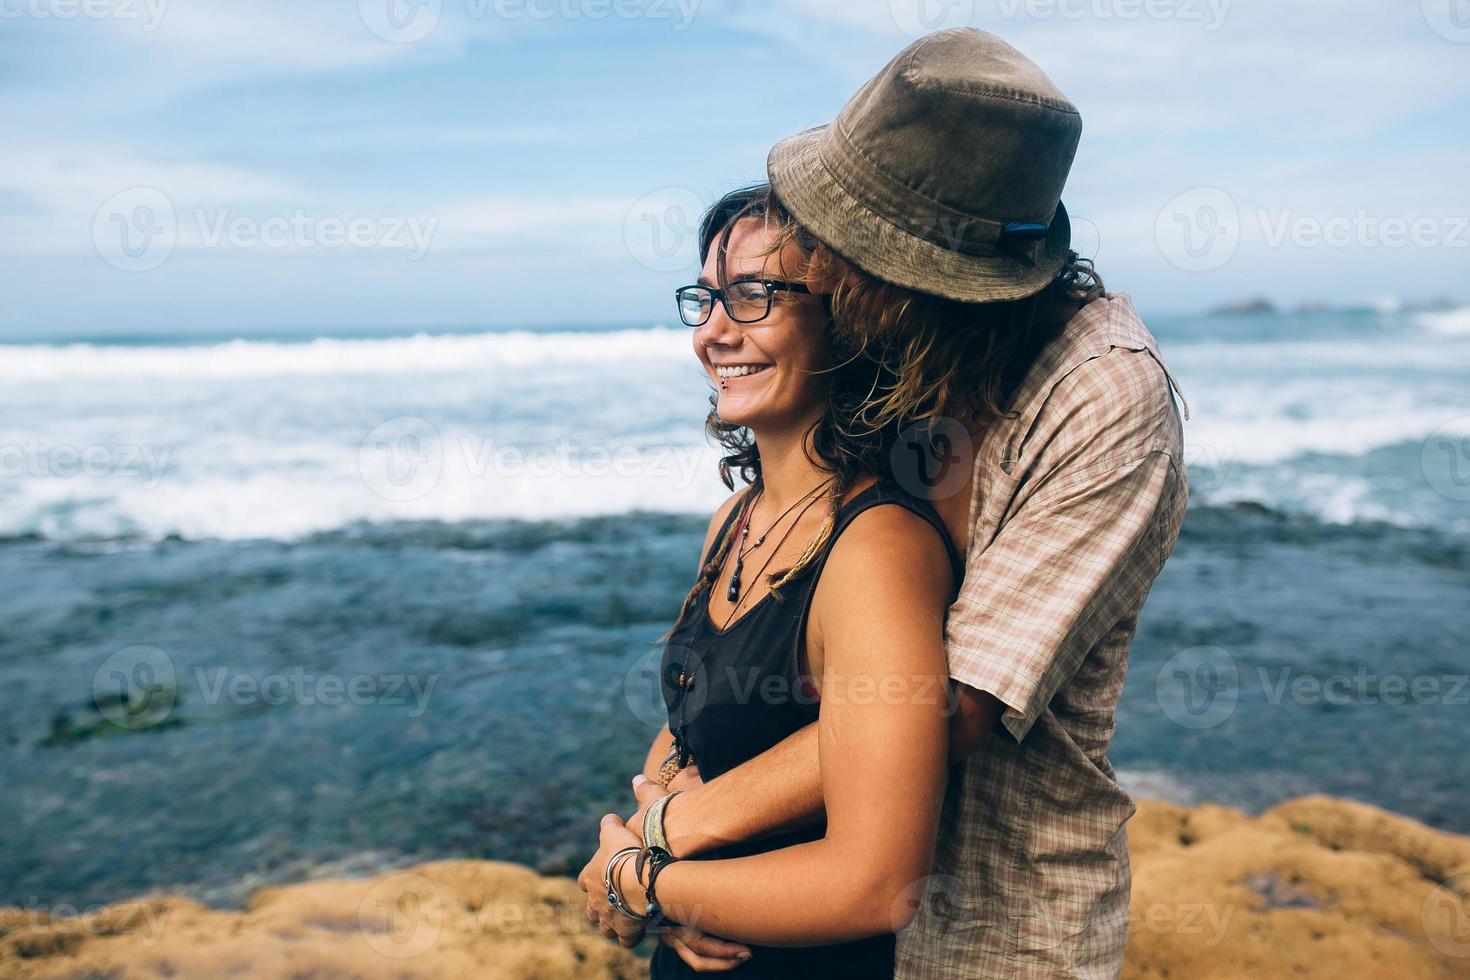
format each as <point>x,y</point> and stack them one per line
<point>255,167</point>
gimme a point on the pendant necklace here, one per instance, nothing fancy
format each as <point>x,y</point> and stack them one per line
<point>679,755</point>
<point>732,591</point>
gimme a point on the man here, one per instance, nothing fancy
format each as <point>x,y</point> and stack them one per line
<point>936,197</point>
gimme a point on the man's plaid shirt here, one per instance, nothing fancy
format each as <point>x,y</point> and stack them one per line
<point>1077,503</point>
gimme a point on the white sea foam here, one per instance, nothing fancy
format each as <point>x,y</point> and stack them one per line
<point>1453,322</point>
<point>246,439</point>
<point>420,354</point>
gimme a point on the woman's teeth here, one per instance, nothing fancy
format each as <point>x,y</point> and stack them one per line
<point>739,371</point>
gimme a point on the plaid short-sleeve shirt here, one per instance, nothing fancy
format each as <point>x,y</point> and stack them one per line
<point>1077,502</point>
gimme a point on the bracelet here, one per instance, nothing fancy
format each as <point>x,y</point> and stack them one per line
<point>658,859</point>
<point>614,890</point>
<point>653,822</point>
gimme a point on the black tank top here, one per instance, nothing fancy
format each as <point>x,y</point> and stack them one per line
<point>747,694</point>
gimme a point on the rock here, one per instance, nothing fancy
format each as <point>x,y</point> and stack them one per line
<point>1315,887</point>
<point>1255,306</point>
<point>482,919</point>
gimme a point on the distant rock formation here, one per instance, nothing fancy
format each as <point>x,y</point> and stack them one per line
<point>1257,306</point>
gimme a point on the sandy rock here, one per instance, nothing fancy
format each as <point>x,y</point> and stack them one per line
<point>1316,887</point>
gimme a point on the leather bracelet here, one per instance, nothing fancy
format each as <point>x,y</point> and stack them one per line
<point>653,822</point>
<point>658,860</point>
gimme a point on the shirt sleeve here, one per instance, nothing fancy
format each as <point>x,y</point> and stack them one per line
<point>1080,552</point>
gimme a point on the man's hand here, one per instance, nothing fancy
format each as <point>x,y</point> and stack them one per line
<point>702,952</point>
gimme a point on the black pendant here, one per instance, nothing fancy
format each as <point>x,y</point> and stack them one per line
<point>733,592</point>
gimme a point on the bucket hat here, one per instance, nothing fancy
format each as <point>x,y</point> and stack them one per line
<point>943,173</point>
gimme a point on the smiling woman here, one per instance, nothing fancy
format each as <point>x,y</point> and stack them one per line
<point>845,595</point>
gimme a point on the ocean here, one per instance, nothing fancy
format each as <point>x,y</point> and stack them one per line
<point>283,608</point>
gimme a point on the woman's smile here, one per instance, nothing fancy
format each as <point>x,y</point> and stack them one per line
<point>732,371</point>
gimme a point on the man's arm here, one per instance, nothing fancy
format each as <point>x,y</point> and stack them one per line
<point>781,789</point>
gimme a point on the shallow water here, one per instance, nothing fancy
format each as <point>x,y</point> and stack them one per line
<point>502,698</point>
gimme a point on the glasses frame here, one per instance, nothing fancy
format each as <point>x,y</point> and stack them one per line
<point>773,286</point>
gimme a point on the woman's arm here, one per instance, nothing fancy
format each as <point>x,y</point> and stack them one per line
<point>657,752</point>
<point>882,736</point>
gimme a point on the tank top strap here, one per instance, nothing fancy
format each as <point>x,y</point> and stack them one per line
<point>889,492</point>
<point>881,492</point>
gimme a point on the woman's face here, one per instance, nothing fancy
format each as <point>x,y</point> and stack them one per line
<point>765,373</point>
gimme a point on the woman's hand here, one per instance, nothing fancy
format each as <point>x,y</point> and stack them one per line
<point>609,921</point>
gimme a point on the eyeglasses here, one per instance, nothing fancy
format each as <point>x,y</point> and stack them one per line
<point>746,300</point>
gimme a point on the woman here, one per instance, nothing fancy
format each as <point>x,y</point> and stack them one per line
<point>820,597</point>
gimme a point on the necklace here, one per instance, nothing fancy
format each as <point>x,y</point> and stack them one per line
<point>679,755</point>
<point>732,591</point>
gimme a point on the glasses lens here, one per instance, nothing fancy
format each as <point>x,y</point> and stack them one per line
<point>749,300</point>
<point>694,305</point>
